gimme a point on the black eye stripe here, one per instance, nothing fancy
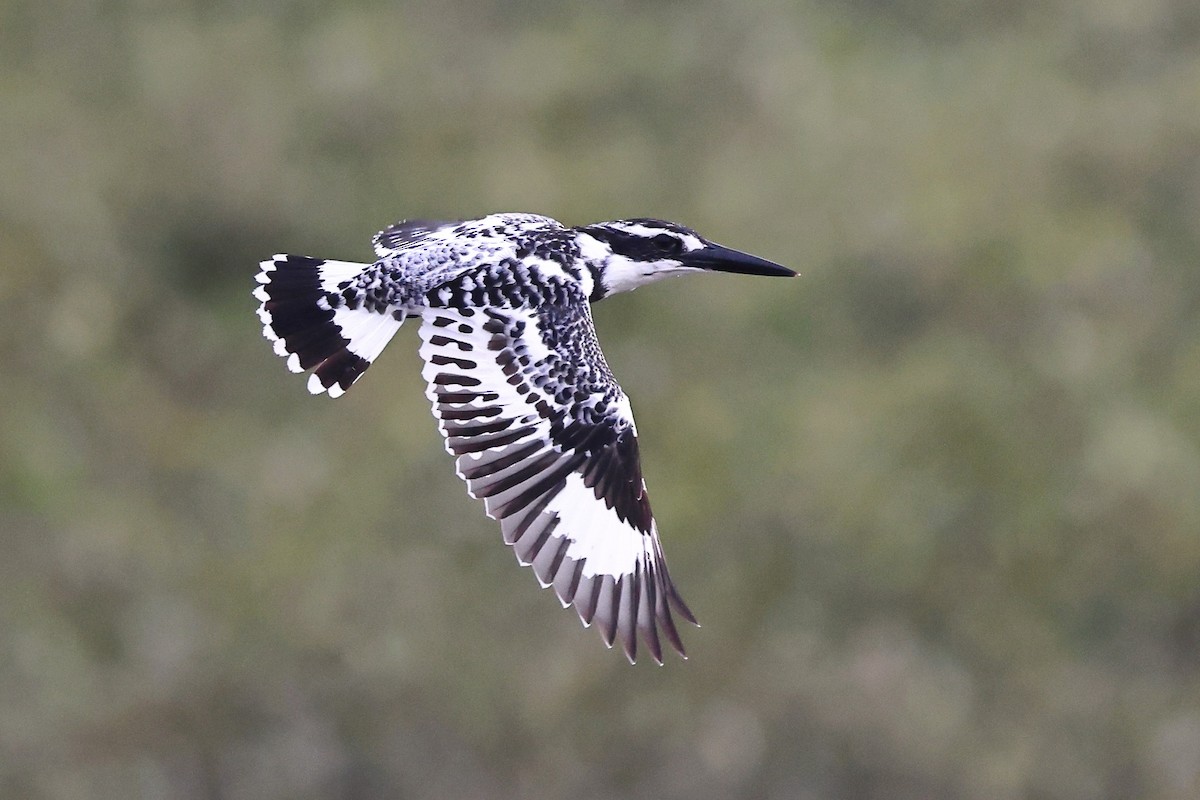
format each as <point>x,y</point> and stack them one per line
<point>639,246</point>
<point>667,243</point>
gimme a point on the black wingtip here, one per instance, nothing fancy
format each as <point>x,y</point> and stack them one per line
<point>680,606</point>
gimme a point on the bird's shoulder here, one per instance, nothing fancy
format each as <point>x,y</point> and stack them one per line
<point>408,234</point>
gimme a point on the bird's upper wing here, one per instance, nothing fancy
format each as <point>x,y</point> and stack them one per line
<point>406,233</point>
<point>545,436</point>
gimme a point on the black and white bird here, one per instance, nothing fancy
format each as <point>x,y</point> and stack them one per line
<point>541,431</point>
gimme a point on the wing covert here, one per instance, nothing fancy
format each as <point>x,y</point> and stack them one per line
<point>406,233</point>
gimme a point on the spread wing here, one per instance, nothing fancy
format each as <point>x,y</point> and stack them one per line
<point>545,436</point>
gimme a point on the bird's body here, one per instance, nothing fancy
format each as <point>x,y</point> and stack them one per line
<point>541,430</point>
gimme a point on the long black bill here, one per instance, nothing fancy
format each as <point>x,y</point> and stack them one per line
<point>722,259</point>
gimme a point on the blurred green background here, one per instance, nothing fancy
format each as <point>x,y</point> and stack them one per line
<point>936,503</point>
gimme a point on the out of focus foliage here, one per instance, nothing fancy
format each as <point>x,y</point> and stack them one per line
<point>937,503</point>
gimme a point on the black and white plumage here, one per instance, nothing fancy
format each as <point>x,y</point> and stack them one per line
<point>540,429</point>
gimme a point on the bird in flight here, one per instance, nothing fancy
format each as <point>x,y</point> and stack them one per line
<point>541,430</point>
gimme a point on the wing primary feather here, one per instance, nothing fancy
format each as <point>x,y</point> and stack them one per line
<point>513,527</point>
<point>566,580</point>
<point>588,597</point>
<point>597,466</point>
<point>461,430</point>
<point>469,412</point>
<point>673,595</point>
<point>627,615</point>
<point>604,479</point>
<point>663,612</point>
<point>548,560</point>
<point>460,445</point>
<point>445,397</point>
<point>646,611</point>
<point>680,606</point>
<point>529,546</point>
<point>607,608</point>
<point>502,483</point>
<point>552,481</point>
<point>490,464</point>
<point>450,379</point>
<point>449,361</point>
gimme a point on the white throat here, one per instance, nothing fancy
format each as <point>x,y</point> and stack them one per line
<point>621,274</point>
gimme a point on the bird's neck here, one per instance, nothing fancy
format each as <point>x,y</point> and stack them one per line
<point>616,273</point>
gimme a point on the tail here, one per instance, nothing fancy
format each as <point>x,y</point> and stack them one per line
<point>316,320</point>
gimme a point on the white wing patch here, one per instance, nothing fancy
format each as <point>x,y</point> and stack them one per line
<point>605,544</point>
<point>561,494</point>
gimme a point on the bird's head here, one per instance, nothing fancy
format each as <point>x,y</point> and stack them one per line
<point>628,253</point>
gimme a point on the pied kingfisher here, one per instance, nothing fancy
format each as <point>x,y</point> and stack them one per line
<point>540,428</point>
